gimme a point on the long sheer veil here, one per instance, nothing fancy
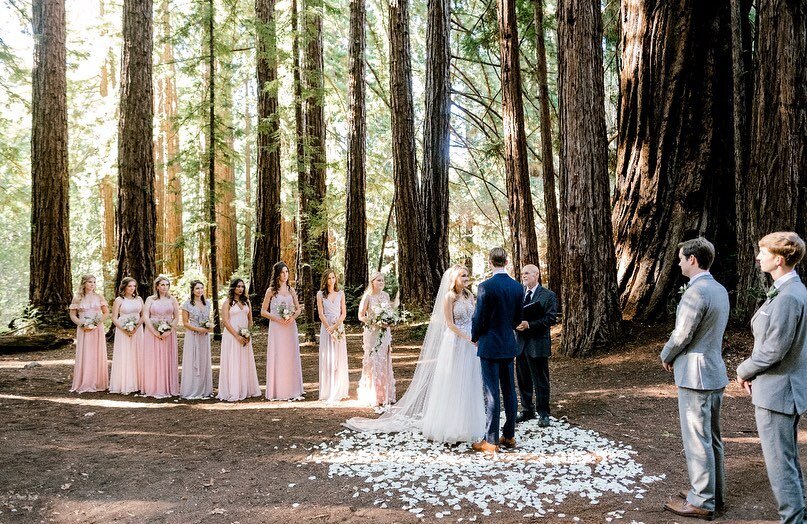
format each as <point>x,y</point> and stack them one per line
<point>407,413</point>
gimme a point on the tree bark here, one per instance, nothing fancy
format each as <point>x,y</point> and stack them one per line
<point>517,176</point>
<point>356,271</point>
<point>49,288</point>
<point>675,179</point>
<point>590,313</point>
<point>267,198</point>
<point>548,163</point>
<point>137,220</point>
<point>226,229</point>
<point>211,159</point>
<point>436,138</point>
<point>249,224</point>
<point>415,283</point>
<point>107,189</point>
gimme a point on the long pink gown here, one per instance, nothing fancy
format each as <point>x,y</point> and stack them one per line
<point>91,372</point>
<point>127,350</point>
<point>161,357</point>
<point>377,383</point>
<point>238,376</point>
<point>284,372</point>
<point>334,381</point>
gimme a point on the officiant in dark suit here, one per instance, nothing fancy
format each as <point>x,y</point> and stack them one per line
<point>532,364</point>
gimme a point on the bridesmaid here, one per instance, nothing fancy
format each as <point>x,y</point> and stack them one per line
<point>284,372</point>
<point>127,315</point>
<point>377,383</point>
<point>88,312</point>
<point>160,352</point>
<point>197,370</point>
<point>238,377</point>
<point>333,371</point>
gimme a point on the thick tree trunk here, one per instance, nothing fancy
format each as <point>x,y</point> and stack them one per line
<point>267,198</point>
<point>248,222</point>
<point>226,230</point>
<point>517,176</point>
<point>590,314</point>
<point>107,189</point>
<point>415,283</point>
<point>675,177</point>
<point>436,138</point>
<point>548,164</point>
<point>777,180</point>
<point>211,161</point>
<point>356,272</point>
<point>49,288</point>
<point>137,220</point>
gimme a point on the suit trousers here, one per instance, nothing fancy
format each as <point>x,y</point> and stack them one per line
<point>533,375</point>
<point>699,414</point>
<point>778,434</point>
<point>496,372</point>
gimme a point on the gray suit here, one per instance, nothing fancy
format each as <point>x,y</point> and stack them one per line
<point>778,368</point>
<point>695,349</point>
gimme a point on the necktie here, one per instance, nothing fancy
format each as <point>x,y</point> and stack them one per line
<point>528,297</point>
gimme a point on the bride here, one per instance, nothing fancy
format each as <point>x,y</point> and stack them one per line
<point>445,399</point>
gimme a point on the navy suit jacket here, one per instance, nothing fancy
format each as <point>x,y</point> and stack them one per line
<point>497,313</point>
<point>541,313</point>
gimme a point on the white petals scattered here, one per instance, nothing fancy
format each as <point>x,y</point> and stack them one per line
<point>549,465</point>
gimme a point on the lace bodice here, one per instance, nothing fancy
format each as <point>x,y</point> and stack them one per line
<point>463,313</point>
<point>130,308</point>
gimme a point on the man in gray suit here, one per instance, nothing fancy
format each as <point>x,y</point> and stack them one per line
<point>776,372</point>
<point>695,353</point>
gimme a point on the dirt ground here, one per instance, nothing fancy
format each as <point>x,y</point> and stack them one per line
<point>111,458</point>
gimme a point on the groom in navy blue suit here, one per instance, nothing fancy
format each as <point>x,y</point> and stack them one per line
<point>498,312</point>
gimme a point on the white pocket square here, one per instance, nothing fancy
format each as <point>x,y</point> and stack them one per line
<point>763,313</point>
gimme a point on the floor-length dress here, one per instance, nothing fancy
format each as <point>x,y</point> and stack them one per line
<point>238,376</point>
<point>197,370</point>
<point>455,410</point>
<point>284,371</point>
<point>91,372</point>
<point>160,357</point>
<point>377,383</point>
<point>127,349</point>
<point>334,381</point>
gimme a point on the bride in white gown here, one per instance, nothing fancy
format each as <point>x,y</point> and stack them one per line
<point>445,399</point>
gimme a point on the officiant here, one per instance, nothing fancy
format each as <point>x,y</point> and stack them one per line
<point>532,364</point>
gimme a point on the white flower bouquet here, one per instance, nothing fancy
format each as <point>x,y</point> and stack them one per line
<point>338,333</point>
<point>91,322</point>
<point>384,315</point>
<point>206,323</point>
<point>129,325</point>
<point>161,326</point>
<point>284,311</point>
<point>245,332</point>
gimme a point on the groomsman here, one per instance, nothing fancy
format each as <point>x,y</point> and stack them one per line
<point>532,364</point>
<point>776,372</point>
<point>694,353</point>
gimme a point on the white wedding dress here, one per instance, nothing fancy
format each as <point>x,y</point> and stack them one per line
<point>445,398</point>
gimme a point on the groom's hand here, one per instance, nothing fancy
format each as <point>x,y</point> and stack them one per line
<point>524,325</point>
<point>668,367</point>
<point>745,384</point>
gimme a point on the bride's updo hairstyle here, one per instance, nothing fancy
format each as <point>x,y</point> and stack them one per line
<point>453,293</point>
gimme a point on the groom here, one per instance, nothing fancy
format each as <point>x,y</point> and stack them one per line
<point>498,312</point>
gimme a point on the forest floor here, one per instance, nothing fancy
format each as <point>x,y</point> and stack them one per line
<point>111,458</point>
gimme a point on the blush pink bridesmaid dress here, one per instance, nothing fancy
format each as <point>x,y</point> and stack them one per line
<point>284,372</point>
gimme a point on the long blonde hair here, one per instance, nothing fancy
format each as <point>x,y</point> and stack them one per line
<point>84,279</point>
<point>456,269</point>
<point>369,289</point>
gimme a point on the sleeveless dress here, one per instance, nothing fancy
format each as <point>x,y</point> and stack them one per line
<point>238,377</point>
<point>455,410</point>
<point>127,349</point>
<point>284,371</point>
<point>334,381</point>
<point>160,357</point>
<point>197,370</point>
<point>377,383</point>
<point>91,372</point>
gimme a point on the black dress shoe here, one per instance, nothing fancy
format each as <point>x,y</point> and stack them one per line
<point>543,420</point>
<point>525,415</point>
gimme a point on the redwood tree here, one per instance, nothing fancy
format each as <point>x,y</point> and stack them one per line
<point>675,176</point>
<point>49,287</point>
<point>590,314</point>
<point>136,207</point>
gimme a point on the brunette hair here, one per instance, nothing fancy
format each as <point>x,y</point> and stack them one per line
<point>702,249</point>
<point>323,286</point>
<point>274,282</point>
<point>124,284</point>
<point>785,244</point>
<point>498,257</point>
<point>157,281</point>
<point>194,283</point>
<point>243,299</point>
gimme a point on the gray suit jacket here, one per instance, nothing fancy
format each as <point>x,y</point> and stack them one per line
<point>778,364</point>
<point>696,346</point>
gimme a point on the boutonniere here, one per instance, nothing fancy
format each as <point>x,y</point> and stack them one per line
<point>682,289</point>
<point>772,292</point>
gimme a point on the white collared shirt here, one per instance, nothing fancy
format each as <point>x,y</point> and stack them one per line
<point>532,290</point>
<point>779,282</point>
<point>498,270</point>
<point>696,277</point>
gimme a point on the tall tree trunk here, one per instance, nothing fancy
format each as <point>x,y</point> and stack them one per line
<point>356,271</point>
<point>436,138</point>
<point>777,180</point>
<point>548,162</point>
<point>415,283</point>
<point>590,313</point>
<point>517,176</point>
<point>211,159</point>
<point>137,219</point>
<point>107,190</point>
<point>226,229</point>
<point>49,288</point>
<point>159,178</point>
<point>248,222</point>
<point>675,178</point>
<point>267,198</point>
<point>313,217</point>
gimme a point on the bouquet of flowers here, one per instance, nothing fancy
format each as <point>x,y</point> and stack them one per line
<point>285,311</point>
<point>91,322</point>
<point>206,323</point>
<point>245,332</point>
<point>384,315</point>
<point>338,333</point>
<point>129,325</point>
<point>161,326</point>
